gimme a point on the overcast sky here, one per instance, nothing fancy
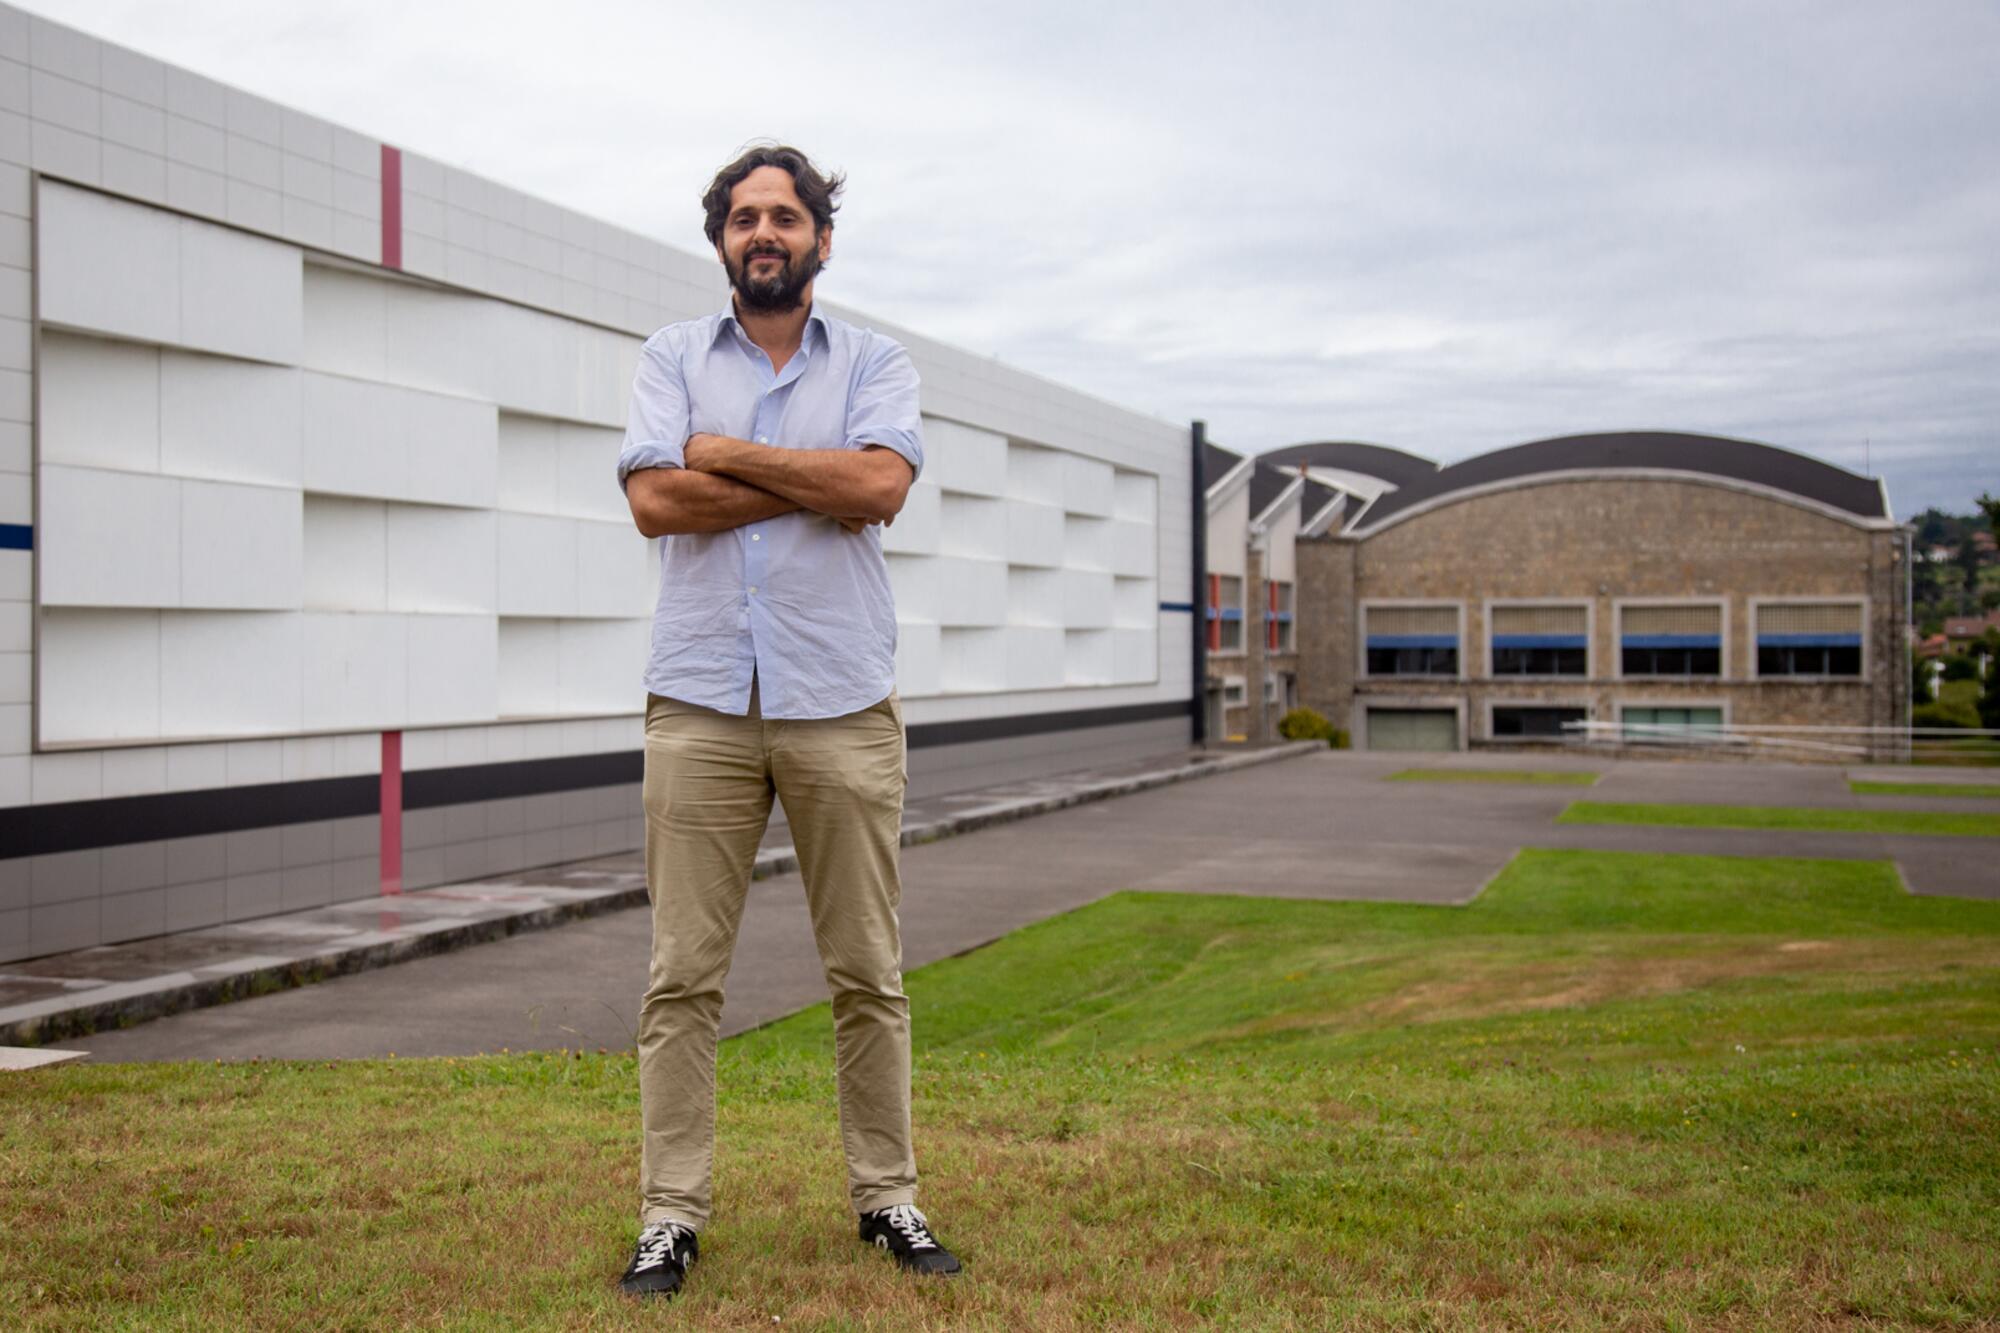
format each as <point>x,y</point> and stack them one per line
<point>1445,227</point>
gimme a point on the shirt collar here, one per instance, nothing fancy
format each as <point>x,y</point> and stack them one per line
<point>814,319</point>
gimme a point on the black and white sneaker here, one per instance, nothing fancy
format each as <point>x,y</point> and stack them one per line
<point>906,1233</point>
<point>660,1263</point>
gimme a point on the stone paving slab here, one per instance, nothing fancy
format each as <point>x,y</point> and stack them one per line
<point>52,998</point>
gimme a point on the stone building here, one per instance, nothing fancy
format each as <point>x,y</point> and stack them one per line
<point>1258,510</point>
<point>1666,583</point>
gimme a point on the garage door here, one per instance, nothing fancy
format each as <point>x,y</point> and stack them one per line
<point>1412,729</point>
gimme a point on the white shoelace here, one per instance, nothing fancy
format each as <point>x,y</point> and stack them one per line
<point>913,1225</point>
<point>656,1242</point>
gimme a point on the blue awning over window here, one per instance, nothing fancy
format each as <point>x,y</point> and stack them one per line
<point>1540,641</point>
<point>1413,641</point>
<point>1808,640</point>
<point>1672,640</point>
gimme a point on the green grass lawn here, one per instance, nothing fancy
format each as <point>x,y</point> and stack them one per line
<point>1924,788</point>
<point>1552,777</point>
<point>1617,1090</point>
<point>1807,819</point>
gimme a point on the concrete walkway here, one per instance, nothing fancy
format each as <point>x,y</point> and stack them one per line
<point>1326,825</point>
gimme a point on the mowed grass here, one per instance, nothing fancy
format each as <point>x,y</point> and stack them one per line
<point>1933,823</point>
<point>1550,777</point>
<point>1617,1090</point>
<point>1862,788</point>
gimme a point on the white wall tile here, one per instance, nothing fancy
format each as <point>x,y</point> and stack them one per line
<point>959,458</point>
<point>1086,542</point>
<point>615,570</point>
<point>1034,474</point>
<point>972,525</point>
<point>530,669</point>
<point>241,295</point>
<point>240,546</point>
<point>440,559</point>
<point>918,660</point>
<point>915,531</point>
<point>587,473</point>
<point>1086,599</point>
<point>527,468</point>
<point>972,660</point>
<point>195,767</point>
<point>1034,596</point>
<point>100,675</point>
<point>1135,655</point>
<point>1087,485</point>
<point>1035,657</point>
<point>601,664</point>
<point>228,420</point>
<point>309,758</point>
<point>1133,545</point>
<point>139,175</point>
<point>107,265</point>
<point>1034,533</point>
<point>346,321</point>
<point>399,444</point>
<point>228,673</point>
<point>254,763</point>
<point>913,581</point>
<point>100,403</point>
<point>356,670</point>
<point>971,592</point>
<point>1135,603</point>
<point>129,74</point>
<point>138,771</point>
<point>1135,495</point>
<point>1088,657</point>
<point>76,775</point>
<point>17,678</point>
<point>109,538</point>
<point>453,669</point>
<point>345,556</point>
<point>64,51</point>
<point>135,124</point>
<point>536,565</point>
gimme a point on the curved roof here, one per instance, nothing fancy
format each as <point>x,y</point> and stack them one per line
<point>1370,460</point>
<point>1734,460</point>
<point>1266,485</point>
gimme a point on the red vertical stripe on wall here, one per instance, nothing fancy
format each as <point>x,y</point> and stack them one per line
<point>392,812</point>
<point>1271,631</point>
<point>1214,612</point>
<point>392,207</point>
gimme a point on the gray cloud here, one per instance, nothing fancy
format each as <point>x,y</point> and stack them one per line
<point>1447,227</point>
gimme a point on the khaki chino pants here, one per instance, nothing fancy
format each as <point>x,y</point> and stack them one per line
<point>709,781</point>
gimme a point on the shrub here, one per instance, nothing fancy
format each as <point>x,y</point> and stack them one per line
<point>1954,708</point>
<point>1340,740</point>
<point>1960,666</point>
<point>1304,724</point>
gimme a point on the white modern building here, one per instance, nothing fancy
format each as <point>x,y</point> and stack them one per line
<point>308,517</point>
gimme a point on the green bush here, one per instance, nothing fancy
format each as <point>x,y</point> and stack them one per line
<point>1340,740</point>
<point>1957,706</point>
<point>1304,724</point>
<point>1960,666</point>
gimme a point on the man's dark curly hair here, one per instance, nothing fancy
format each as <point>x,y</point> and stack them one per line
<point>819,192</point>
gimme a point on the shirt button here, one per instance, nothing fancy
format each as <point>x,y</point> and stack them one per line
<point>763,439</point>
<point>756,536</point>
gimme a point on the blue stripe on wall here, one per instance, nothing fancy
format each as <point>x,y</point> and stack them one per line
<point>16,537</point>
<point>1540,641</point>
<point>1187,607</point>
<point>1413,641</point>
<point>1673,641</point>
<point>1808,640</point>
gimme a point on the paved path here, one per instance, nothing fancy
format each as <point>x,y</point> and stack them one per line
<point>1324,826</point>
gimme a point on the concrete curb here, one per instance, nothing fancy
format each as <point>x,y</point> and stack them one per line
<point>137,1002</point>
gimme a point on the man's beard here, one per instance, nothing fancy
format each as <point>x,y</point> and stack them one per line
<point>782,291</point>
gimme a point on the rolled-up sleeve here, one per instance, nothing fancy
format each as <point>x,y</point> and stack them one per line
<point>884,409</point>
<point>656,429</point>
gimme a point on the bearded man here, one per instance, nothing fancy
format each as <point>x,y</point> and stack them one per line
<point>768,444</point>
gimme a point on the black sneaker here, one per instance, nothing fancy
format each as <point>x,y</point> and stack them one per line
<point>660,1264</point>
<point>905,1233</point>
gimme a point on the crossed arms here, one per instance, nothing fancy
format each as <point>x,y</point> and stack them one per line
<point>727,483</point>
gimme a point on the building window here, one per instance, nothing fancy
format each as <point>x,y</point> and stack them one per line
<point>1234,695</point>
<point>1818,639</point>
<point>1541,640</point>
<point>1412,640</point>
<point>1279,618</point>
<point>1537,723</point>
<point>1671,724</point>
<point>1225,613</point>
<point>1670,640</point>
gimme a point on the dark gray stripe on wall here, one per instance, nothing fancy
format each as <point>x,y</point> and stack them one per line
<point>35,830</point>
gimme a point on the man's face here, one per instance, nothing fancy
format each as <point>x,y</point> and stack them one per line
<point>769,246</point>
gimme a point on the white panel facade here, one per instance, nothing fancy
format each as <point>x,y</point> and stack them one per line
<point>100,403</point>
<point>109,538</point>
<point>240,546</point>
<point>229,420</point>
<point>100,675</point>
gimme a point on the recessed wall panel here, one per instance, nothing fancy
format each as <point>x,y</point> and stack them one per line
<point>100,403</point>
<point>1035,657</point>
<point>971,592</point>
<point>1088,657</point>
<point>356,669</point>
<point>529,678</point>
<point>100,675</point>
<point>959,458</point>
<point>109,538</point>
<point>915,531</point>
<point>439,558</point>
<point>240,546</point>
<point>345,554</point>
<point>229,420</point>
<point>1086,485</point>
<point>1034,534</point>
<point>230,673</point>
<point>106,265</point>
<point>972,525</point>
<point>536,565</point>
<point>453,669</point>
<point>972,660</point>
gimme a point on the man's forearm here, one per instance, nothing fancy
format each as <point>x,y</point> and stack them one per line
<point>847,483</point>
<point>666,501</point>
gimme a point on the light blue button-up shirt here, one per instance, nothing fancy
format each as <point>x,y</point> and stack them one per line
<point>797,600</point>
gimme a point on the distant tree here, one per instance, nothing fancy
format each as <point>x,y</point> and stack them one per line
<point>1920,679</point>
<point>1960,666</point>
<point>1989,598</point>
<point>1968,566</point>
<point>1989,505</point>
<point>1932,529</point>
